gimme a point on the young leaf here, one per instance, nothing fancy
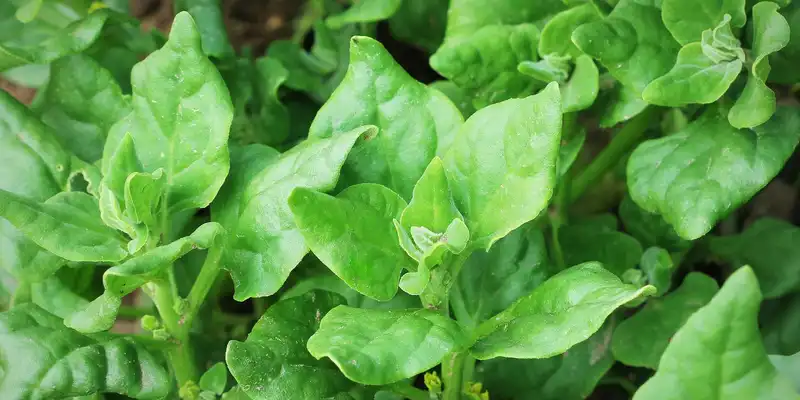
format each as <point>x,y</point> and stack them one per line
<point>621,104</point>
<point>81,102</point>
<point>211,25</point>
<point>770,248</point>
<point>631,42</point>
<point>572,375</point>
<point>415,123</point>
<point>363,12</point>
<point>687,19</point>
<point>273,363</point>
<point>771,33</point>
<point>485,62</point>
<point>215,378</point>
<point>640,340</point>
<point>581,90</point>
<point>353,235</point>
<point>657,265</point>
<point>502,165</point>
<point>719,343</point>
<point>73,38</point>
<point>686,177</point>
<point>68,225</point>
<point>264,245</point>
<point>367,344</point>
<point>143,193</point>
<point>563,311</point>
<point>180,119</point>
<point>556,34</point>
<point>617,251</point>
<point>467,16</point>
<point>491,281</point>
<point>431,204</point>
<point>60,362</point>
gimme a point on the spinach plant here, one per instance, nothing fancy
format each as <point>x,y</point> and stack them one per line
<point>575,209</point>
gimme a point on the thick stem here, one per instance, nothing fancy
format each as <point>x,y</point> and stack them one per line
<point>452,375</point>
<point>129,312</point>
<point>622,142</point>
<point>180,357</point>
<point>409,392</point>
<point>202,285</point>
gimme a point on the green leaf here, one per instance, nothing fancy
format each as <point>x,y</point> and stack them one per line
<point>55,297</point>
<point>695,79</point>
<point>581,243</point>
<point>491,281</point>
<point>621,103</point>
<point>431,204</point>
<point>771,33</point>
<point>657,265</point>
<point>60,362</point>
<point>68,225</point>
<point>26,45</point>
<point>649,229</point>
<point>788,367</point>
<point>180,119</point>
<point>560,313</point>
<point>785,60</point>
<point>640,340</point>
<point>143,194</point>
<point>572,375</point>
<point>366,345</point>
<point>81,102</point>
<point>420,22</point>
<point>551,68</point>
<point>364,12</point>
<point>631,42</point>
<point>556,34</point>
<point>467,16</point>
<point>123,279</point>
<point>415,123</point>
<point>353,235</point>
<point>484,63</point>
<point>780,324</point>
<point>264,244</point>
<point>580,92</point>
<point>686,177</point>
<point>770,247</point>
<point>273,114</point>
<point>215,378</point>
<point>719,343</point>
<point>458,96</point>
<point>687,19</point>
<point>502,165</point>
<point>273,362</point>
<point>210,24</point>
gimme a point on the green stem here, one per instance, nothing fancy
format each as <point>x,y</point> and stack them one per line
<point>202,285</point>
<point>468,370</point>
<point>180,357</point>
<point>622,142</point>
<point>622,382</point>
<point>452,375</point>
<point>408,392</point>
<point>129,312</point>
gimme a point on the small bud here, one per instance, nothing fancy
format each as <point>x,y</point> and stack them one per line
<point>161,334</point>
<point>189,391</point>
<point>150,323</point>
<point>181,306</point>
<point>433,382</point>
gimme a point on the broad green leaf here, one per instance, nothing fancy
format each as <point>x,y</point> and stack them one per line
<point>789,367</point>
<point>631,42</point>
<point>215,378</point>
<point>580,92</point>
<point>80,103</point>
<point>641,339</point>
<point>658,267</point>
<point>771,33</point>
<point>719,343</point>
<point>458,96</point>
<point>25,47</point>
<point>694,79</point>
<point>784,61</point>
<point>273,363</point>
<point>770,248</point>
<point>123,279</point>
<point>558,314</point>
<point>569,376</point>
<point>502,165</point>
<point>687,19</point>
<point>364,12</point>
<point>60,363</point>
<point>180,119</point>
<point>467,16</point>
<point>68,225</point>
<point>415,123</point>
<point>491,281</point>
<point>693,181</point>
<point>55,297</point>
<point>210,24</point>
<point>556,34</point>
<point>485,62</point>
<point>420,22</point>
<point>353,235</point>
<point>649,229</point>
<point>581,243</point>
<point>620,104</point>
<point>569,150</point>
<point>264,245</point>
<point>366,345</point>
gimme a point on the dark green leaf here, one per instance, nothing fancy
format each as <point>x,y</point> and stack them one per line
<point>648,228</point>
<point>364,12</point>
<point>210,23</point>
<point>420,22</point>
